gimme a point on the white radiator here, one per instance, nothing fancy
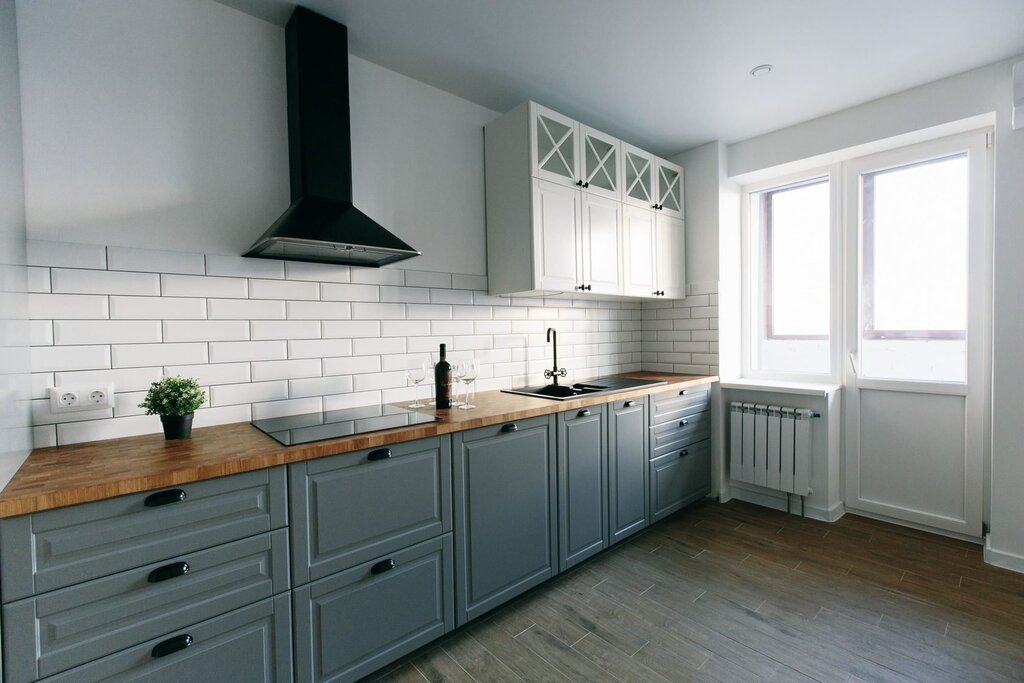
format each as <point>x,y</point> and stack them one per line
<point>770,446</point>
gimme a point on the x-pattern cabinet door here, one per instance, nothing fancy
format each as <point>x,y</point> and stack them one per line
<point>669,188</point>
<point>600,157</point>
<point>554,144</point>
<point>637,177</point>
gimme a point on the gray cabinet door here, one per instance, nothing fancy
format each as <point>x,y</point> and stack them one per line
<point>680,478</point>
<point>582,485</point>
<point>56,548</point>
<point>505,512</point>
<point>354,622</point>
<point>627,468</point>
<point>252,644</point>
<point>62,629</point>
<point>350,508</point>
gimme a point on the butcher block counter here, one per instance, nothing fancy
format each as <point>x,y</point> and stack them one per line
<point>69,475</point>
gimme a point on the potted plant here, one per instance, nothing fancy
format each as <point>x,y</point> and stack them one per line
<point>175,400</point>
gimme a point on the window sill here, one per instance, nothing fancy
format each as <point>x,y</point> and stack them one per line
<point>780,387</point>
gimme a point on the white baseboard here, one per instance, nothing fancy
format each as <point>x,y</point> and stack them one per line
<point>826,514</point>
<point>1001,558</point>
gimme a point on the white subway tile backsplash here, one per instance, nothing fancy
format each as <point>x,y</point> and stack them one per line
<point>67,306</point>
<point>477,282</point>
<point>471,312</point>
<point>237,266</point>
<point>252,309</point>
<point>79,281</point>
<point>141,355</point>
<point>376,347</point>
<point>484,299</point>
<point>404,295</point>
<point>317,272</point>
<point>404,328</point>
<point>285,369</point>
<point>428,312</point>
<point>369,311</point>
<point>319,310</point>
<point>66,255</point>
<point>208,417</point>
<point>230,352</point>
<point>319,348</point>
<point>105,331</point>
<point>205,330</point>
<point>41,382</point>
<point>351,328</point>
<point>378,276</point>
<point>353,400</point>
<point>38,280</point>
<point>295,406</point>
<point>492,327</point>
<point>114,428</point>
<point>204,286</point>
<point>126,404</point>
<point>319,386</point>
<point>152,261</point>
<point>472,342</point>
<point>450,327</point>
<point>285,329</point>
<point>40,333</point>
<point>233,394</point>
<point>157,308</point>
<point>451,296</point>
<point>133,379</point>
<point>284,289</point>
<point>60,358</point>
<point>347,292</point>
<point>212,373</point>
<point>351,365</point>
<point>423,278</point>
<point>41,413</point>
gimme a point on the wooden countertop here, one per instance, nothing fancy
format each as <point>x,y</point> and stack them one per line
<point>68,475</point>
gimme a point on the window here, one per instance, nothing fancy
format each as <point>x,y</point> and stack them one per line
<point>790,281</point>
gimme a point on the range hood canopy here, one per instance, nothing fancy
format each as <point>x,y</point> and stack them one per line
<point>322,225</point>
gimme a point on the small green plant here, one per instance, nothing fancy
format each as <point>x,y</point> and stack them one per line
<point>173,396</point>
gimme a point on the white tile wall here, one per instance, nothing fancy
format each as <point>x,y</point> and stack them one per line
<point>270,338</point>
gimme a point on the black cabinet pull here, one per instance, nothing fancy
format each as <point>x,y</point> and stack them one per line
<point>510,428</point>
<point>379,454</point>
<point>169,571</point>
<point>155,500</point>
<point>682,392</point>
<point>588,287</point>
<point>585,185</point>
<point>583,413</point>
<point>683,423</point>
<point>579,183</point>
<point>172,645</point>
<point>629,404</point>
<point>383,566</point>
<point>683,452</point>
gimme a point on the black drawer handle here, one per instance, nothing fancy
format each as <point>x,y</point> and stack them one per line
<point>683,423</point>
<point>169,571</point>
<point>583,413</point>
<point>172,645</point>
<point>383,566</point>
<point>683,452</point>
<point>683,392</point>
<point>629,404</point>
<point>510,428</point>
<point>167,497</point>
<point>379,454</point>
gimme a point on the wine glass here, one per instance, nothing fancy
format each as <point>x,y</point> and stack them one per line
<point>469,369</point>
<point>457,370</point>
<point>417,374</point>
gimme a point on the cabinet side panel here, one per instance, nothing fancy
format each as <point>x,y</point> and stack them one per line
<point>507,187</point>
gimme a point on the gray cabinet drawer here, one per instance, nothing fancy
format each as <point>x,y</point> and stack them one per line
<point>354,622</point>
<point>679,478</point>
<point>57,548</point>
<point>62,629</point>
<point>350,508</point>
<point>252,644</point>
<point>677,434</point>
<point>501,428</point>
<point>672,406</point>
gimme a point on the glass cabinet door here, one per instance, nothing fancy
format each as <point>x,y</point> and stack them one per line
<point>638,177</point>
<point>600,158</point>
<point>670,188</point>
<point>554,152</point>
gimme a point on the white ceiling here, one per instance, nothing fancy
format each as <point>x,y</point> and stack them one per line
<point>671,74</point>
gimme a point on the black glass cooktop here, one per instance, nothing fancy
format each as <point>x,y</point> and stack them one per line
<point>331,424</point>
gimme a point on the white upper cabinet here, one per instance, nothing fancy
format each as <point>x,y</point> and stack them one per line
<point>670,259</point>
<point>601,170</point>
<point>556,234</point>
<point>554,152</point>
<point>637,177</point>
<point>601,245</point>
<point>668,188</point>
<point>638,252</point>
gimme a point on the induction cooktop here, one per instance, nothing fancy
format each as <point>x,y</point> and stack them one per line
<point>331,424</point>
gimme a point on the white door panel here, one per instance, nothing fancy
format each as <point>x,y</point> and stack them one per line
<point>556,210</point>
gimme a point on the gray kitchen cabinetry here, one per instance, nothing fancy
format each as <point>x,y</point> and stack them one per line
<point>371,542</point>
<point>680,466</point>
<point>505,512</point>
<point>582,485</point>
<point>627,468</point>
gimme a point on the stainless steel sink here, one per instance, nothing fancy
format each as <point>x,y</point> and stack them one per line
<point>598,385</point>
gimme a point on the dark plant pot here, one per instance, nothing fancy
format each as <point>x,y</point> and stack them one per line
<point>177,426</point>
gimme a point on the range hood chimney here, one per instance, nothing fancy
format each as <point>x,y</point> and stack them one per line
<point>322,225</point>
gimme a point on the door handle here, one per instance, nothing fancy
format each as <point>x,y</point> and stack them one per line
<point>383,566</point>
<point>379,454</point>
<point>172,645</point>
<point>584,413</point>
<point>165,498</point>
<point>168,571</point>
<point>510,428</point>
<point>629,404</point>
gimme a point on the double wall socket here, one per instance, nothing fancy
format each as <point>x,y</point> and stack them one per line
<point>71,399</point>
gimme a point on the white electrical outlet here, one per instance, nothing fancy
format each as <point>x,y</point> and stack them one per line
<point>71,399</point>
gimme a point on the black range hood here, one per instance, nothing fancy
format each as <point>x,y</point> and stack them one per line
<point>322,225</point>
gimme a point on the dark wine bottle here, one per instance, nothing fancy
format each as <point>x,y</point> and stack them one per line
<point>443,381</point>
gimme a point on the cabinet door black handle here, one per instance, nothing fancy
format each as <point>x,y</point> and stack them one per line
<point>167,497</point>
<point>169,571</point>
<point>682,392</point>
<point>683,423</point>
<point>383,566</point>
<point>510,428</point>
<point>585,185</point>
<point>629,404</point>
<point>379,454</point>
<point>172,645</point>
<point>583,413</point>
<point>579,183</point>
<point>588,287</point>
<point>683,452</point>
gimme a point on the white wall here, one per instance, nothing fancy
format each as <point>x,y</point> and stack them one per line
<point>163,125</point>
<point>978,92</point>
<point>15,419</point>
<point>703,167</point>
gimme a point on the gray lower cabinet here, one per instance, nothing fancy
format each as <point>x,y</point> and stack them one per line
<point>680,478</point>
<point>350,508</point>
<point>356,621</point>
<point>582,485</point>
<point>505,512</point>
<point>627,468</point>
<point>251,644</point>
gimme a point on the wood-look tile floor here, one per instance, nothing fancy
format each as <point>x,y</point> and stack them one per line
<point>737,592</point>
